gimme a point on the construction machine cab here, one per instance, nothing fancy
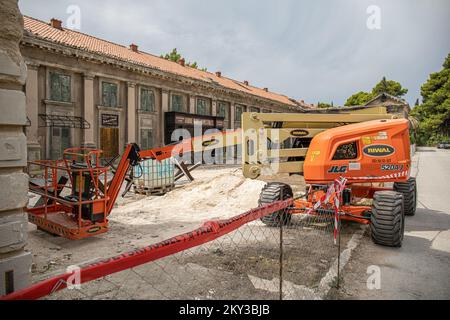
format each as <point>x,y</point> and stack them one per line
<point>374,151</point>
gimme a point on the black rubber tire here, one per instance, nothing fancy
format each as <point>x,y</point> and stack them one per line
<point>273,192</point>
<point>388,218</point>
<point>409,191</point>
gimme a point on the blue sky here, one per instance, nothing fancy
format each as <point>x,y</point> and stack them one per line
<point>312,50</point>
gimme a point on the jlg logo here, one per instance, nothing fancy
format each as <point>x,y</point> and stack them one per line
<point>338,169</point>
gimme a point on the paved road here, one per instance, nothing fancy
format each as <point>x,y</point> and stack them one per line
<point>421,268</point>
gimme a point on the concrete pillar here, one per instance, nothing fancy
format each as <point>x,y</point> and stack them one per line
<point>131,113</point>
<point>164,108</point>
<point>14,261</point>
<point>88,110</point>
<point>32,107</point>
<point>214,108</point>
<point>232,116</point>
<point>192,104</point>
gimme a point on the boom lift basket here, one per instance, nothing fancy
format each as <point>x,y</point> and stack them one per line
<point>73,197</point>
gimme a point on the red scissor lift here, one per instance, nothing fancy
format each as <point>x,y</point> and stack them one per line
<point>80,213</point>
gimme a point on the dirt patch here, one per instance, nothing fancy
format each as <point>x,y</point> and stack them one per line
<point>241,265</point>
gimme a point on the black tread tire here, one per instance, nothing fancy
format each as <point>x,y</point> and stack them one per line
<point>273,192</point>
<point>388,218</point>
<point>409,191</point>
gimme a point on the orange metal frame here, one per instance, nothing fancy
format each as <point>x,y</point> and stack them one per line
<point>347,212</point>
<point>61,216</point>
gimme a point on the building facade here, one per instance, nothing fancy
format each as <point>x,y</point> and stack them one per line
<point>84,91</point>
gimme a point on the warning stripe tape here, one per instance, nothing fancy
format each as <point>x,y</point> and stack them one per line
<point>390,176</point>
<point>208,232</point>
<point>334,189</point>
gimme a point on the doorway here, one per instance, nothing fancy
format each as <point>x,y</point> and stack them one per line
<point>60,141</point>
<point>109,142</point>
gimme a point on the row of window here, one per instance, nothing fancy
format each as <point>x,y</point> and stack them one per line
<point>60,90</point>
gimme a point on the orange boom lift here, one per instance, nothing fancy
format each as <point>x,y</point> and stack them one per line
<point>345,164</point>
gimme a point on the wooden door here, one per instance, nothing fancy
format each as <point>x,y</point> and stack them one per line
<point>109,142</point>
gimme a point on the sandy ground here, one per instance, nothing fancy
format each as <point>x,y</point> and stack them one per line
<point>215,194</point>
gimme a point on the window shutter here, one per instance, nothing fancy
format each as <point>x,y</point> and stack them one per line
<point>223,110</point>
<point>109,94</point>
<point>201,107</point>
<point>60,88</point>
<point>147,100</point>
<point>177,103</point>
<point>113,93</point>
<point>65,88</point>
<point>105,94</point>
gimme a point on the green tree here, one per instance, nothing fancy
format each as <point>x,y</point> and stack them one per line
<point>434,112</point>
<point>391,87</point>
<point>172,56</point>
<point>176,57</point>
<point>359,99</point>
<point>324,105</point>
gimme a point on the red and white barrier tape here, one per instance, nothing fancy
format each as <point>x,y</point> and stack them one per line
<point>335,188</point>
<point>339,186</point>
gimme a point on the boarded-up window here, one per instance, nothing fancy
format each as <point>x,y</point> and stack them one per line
<point>202,107</point>
<point>147,100</point>
<point>222,110</point>
<point>146,139</point>
<point>60,87</point>
<point>109,94</point>
<point>177,103</point>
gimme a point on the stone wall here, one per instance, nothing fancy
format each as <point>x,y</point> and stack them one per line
<point>14,261</point>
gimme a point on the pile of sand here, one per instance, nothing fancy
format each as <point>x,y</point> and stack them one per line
<point>215,194</point>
